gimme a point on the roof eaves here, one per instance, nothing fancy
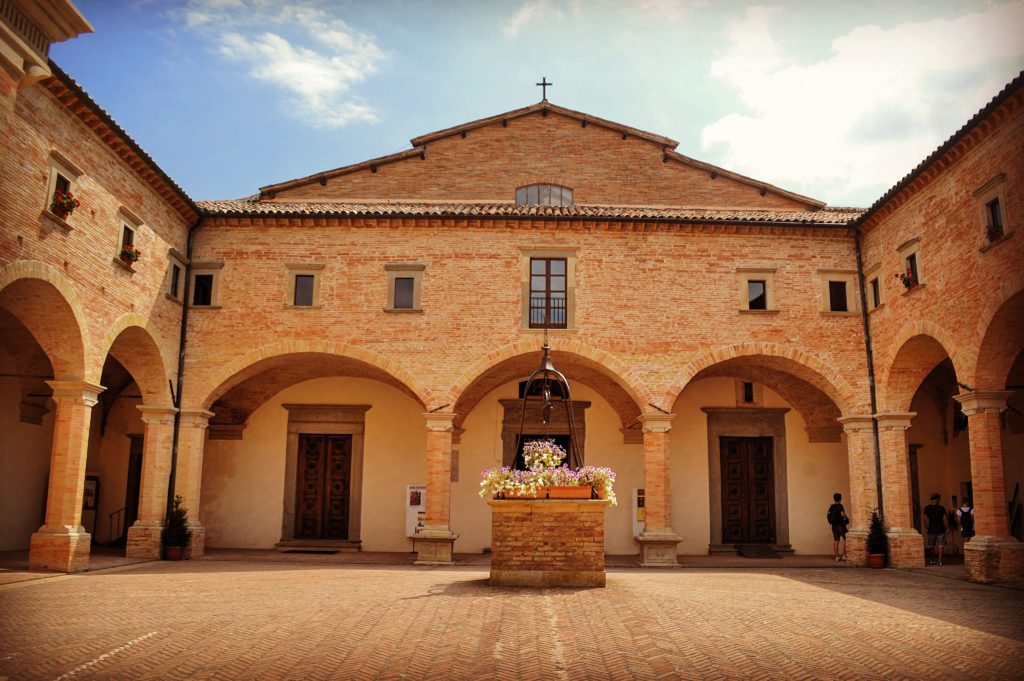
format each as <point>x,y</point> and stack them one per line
<point>75,89</point>
<point>744,179</point>
<point>545,106</point>
<point>964,130</point>
<point>344,170</point>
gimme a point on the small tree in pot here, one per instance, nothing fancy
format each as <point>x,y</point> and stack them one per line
<point>176,534</point>
<point>878,542</point>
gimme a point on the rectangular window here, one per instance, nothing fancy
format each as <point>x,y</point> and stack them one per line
<point>748,392</point>
<point>127,236</point>
<point>912,269</point>
<point>404,288</point>
<point>548,293</point>
<point>837,296</point>
<point>876,293</point>
<point>202,292</point>
<point>757,294</point>
<point>303,289</point>
<point>175,281</point>
<point>995,220</point>
<point>62,184</point>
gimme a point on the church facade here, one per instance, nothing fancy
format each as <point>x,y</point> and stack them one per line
<point>330,362</point>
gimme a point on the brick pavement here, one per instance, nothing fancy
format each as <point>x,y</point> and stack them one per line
<point>247,620</point>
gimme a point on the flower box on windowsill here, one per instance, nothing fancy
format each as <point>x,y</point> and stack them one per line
<point>124,264</point>
<point>54,219</point>
<point>989,244</point>
<point>912,288</point>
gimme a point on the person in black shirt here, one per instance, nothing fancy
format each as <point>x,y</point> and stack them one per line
<point>837,519</point>
<point>937,523</point>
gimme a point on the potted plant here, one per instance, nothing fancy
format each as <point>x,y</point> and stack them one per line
<point>908,279</point>
<point>130,253</point>
<point>176,534</point>
<point>878,542</point>
<point>63,203</point>
<point>547,476</point>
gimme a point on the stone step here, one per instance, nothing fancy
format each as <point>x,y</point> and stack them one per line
<point>318,546</point>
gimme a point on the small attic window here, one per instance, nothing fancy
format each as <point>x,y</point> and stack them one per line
<point>544,195</point>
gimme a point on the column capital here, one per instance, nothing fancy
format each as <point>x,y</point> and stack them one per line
<point>895,420</point>
<point>857,422</point>
<point>157,414</point>
<point>657,423</point>
<point>196,418</point>
<point>82,391</point>
<point>983,401</point>
<point>440,420</point>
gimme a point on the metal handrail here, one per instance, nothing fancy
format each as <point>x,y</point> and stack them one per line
<point>110,525</point>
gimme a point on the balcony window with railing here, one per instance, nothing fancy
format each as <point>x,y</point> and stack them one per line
<point>548,293</point>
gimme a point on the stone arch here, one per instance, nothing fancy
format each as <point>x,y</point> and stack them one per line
<point>131,340</point>
<point>1001,335</point>
<point>609,365</point>
<point>787,359</point>
<point>45,302</point>
<point>248,365</point>
<point>918,348</point>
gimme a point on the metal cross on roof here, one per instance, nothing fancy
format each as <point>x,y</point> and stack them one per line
<point>543,84</point>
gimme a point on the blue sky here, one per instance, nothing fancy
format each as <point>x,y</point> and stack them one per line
<point>835,100</point>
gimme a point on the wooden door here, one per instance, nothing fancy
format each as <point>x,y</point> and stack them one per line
<point>322,494</point>
<point>748,490</point>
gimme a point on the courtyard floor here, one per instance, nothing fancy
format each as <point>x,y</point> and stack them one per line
<point>238,618</point>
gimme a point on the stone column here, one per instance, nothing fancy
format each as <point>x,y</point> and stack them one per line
<point>188,477</point>
<point>657,541</point>
<point>860,457</point>
<point>435,542</point>
<point>62,544</point>
<point>906,545</point>
<point>992,555</point>
<point>158,436</point>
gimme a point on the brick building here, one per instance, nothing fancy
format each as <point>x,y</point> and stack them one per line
<point>732,346</point>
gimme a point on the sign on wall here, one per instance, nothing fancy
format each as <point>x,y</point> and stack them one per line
<point>415,509</point>
<point>638,512</point>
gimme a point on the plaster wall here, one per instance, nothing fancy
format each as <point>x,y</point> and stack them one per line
<point>24,464</point>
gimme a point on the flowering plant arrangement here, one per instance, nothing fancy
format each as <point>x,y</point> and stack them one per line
<point>545,469</point>
<point>994,232</point>
<point>130,253</point>
<point>907,278</point>
<point>64,203</point>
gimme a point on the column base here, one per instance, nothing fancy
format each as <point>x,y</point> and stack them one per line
<point>857,547</point>
<point>658,549</point>
<point>435,546</point>
<point>994,559</point>
<point>197,545</point>
<point>62,549</point>
<point>906,548</point>
<point>144,541</point>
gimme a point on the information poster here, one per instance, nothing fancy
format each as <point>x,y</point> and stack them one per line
<point>638,511</point>
<point>415,509</point>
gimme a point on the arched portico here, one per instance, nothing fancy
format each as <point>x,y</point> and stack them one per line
<point>994,554</point>
<point>40,307</point>
<point>755,494</point>
<point>294,402</point>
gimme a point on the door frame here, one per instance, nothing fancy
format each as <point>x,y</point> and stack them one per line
<point>324,419</point>
<point>747,422</point>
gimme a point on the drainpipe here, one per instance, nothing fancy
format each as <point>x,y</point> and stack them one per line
<point>871,370</point>
<point>176,396</point>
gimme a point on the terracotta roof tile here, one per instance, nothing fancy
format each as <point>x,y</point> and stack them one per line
<point>252,206</point>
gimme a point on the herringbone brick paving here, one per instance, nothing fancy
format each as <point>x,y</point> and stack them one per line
<point>242,620</point>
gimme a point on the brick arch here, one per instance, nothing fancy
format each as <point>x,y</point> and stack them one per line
<point>997,324</point>
<point>131,340</point>
<point>246,366</point>
<point>45,302</point>
<point>1002,339</point>
<point>802,365</point>
<point>606,363</point>
<point>918,348</point>
<point>916,356</point>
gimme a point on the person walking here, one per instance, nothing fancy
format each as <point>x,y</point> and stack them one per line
<point>837,519</point>
<point>938,525</point>
<point>965,516</point>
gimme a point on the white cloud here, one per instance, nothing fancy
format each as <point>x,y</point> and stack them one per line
<point>527,12</point>
<point>853,124</point>
<point>309,54</point>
